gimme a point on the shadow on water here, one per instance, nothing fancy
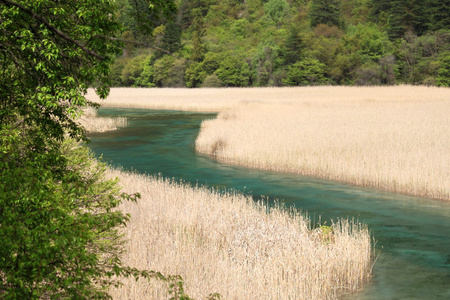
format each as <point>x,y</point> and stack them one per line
<point>412,234</point>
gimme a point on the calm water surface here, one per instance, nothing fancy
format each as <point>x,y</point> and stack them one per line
<point>412,234</point>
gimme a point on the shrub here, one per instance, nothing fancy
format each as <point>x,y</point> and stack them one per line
<point>233,72</point>
<point>59,229</point>
<point>443,73</point>
<point>308,71</point>
<point>212,81</point>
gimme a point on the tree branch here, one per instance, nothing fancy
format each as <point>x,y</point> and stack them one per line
<point>53,28</point>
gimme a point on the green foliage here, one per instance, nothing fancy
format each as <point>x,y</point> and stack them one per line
<point>147,78</point>
<point>326,234</point>
<point>443,73</point>
<point>277,10</point>
<point>308,71</point>
<point>397,14</point>
<point>132,70</point>
<point>368,74</point>
<point>325,12</point>
<point>169,72</point>
<point>341,69</point>
<point>355,11</point>
<point>50,62</point>
<point>438,14</point>
<point>399,41</point>
<point>199,48</point>
<point>239,29</point>
<point>196,73</point>
<point>419,16</point>
<point>368,41</point>
<point>212,81</point>
<point>147,14</point>
<point>293,46</point>
<point>267,59</point>
<point>171,40</point>
<point>326,229</point>
<point>59,231</point>
<point>233,72</point>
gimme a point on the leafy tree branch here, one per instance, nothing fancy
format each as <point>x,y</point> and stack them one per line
<point>55,30</point>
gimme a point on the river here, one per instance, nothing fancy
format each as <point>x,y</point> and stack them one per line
<point>411,234</point>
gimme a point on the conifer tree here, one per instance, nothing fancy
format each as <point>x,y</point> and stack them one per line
<point>325,12</point>
<point>171,40</point>
<point>199,48</point>
<point>396,27</point>
<point>439,11</point>
<point>293,46</point>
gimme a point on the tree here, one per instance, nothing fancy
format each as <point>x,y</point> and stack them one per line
<point>443,76</point>
<point>438,11</point>
<point>266,60</point>
<point>401,16</point>
<point>293,46</point>
<point>325,12</point>
<point>277,10</point>
<point>368,40</point>
<point>59,235</point>
<point>308,71</point>
<point>171,40</point>
<point>48,63</point>
<point>234,72</point>
<point>58,231</point>
<point>196,73</point>
<point>396,27</point>
<point>199,48</point>
<point>147,14</point>
<point>169,71</point>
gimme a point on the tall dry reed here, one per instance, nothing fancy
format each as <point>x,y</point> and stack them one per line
<point>380,140</point>
<point>227,243</point>
<point>393,138</point>
<point>219,99</point>
<point>92,123</point>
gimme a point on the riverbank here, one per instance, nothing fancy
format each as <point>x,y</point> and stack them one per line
<point>228,244</point>
<point>92,123</point>
<point>231,245</point>
<point>390,138</point>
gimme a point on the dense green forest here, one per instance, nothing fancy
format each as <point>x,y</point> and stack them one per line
<point>239,43</point>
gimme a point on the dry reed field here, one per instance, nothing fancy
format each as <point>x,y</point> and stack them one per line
<point>228,244</point>
<point>393,142</point>
<point>394,138</point>
<point>92,123</point>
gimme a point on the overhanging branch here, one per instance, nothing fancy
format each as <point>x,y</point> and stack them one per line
<point>53,28</point>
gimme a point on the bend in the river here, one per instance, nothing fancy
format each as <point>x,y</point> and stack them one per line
<point>412,234</point>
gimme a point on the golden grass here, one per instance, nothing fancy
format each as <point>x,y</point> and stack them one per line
<point>92,123</point>
<point>393,138</point>
<point>219,99</point>
<point>394,144</point>
<point>227,243</point>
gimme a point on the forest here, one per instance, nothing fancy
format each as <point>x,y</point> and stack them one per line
<point>257,43</point>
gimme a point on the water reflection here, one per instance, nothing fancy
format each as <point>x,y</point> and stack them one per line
<point>412,234</point>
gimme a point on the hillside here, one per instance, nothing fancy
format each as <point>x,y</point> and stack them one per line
<point>241,43</point>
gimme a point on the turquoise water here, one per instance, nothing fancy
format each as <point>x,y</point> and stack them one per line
<point>412,234</point>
